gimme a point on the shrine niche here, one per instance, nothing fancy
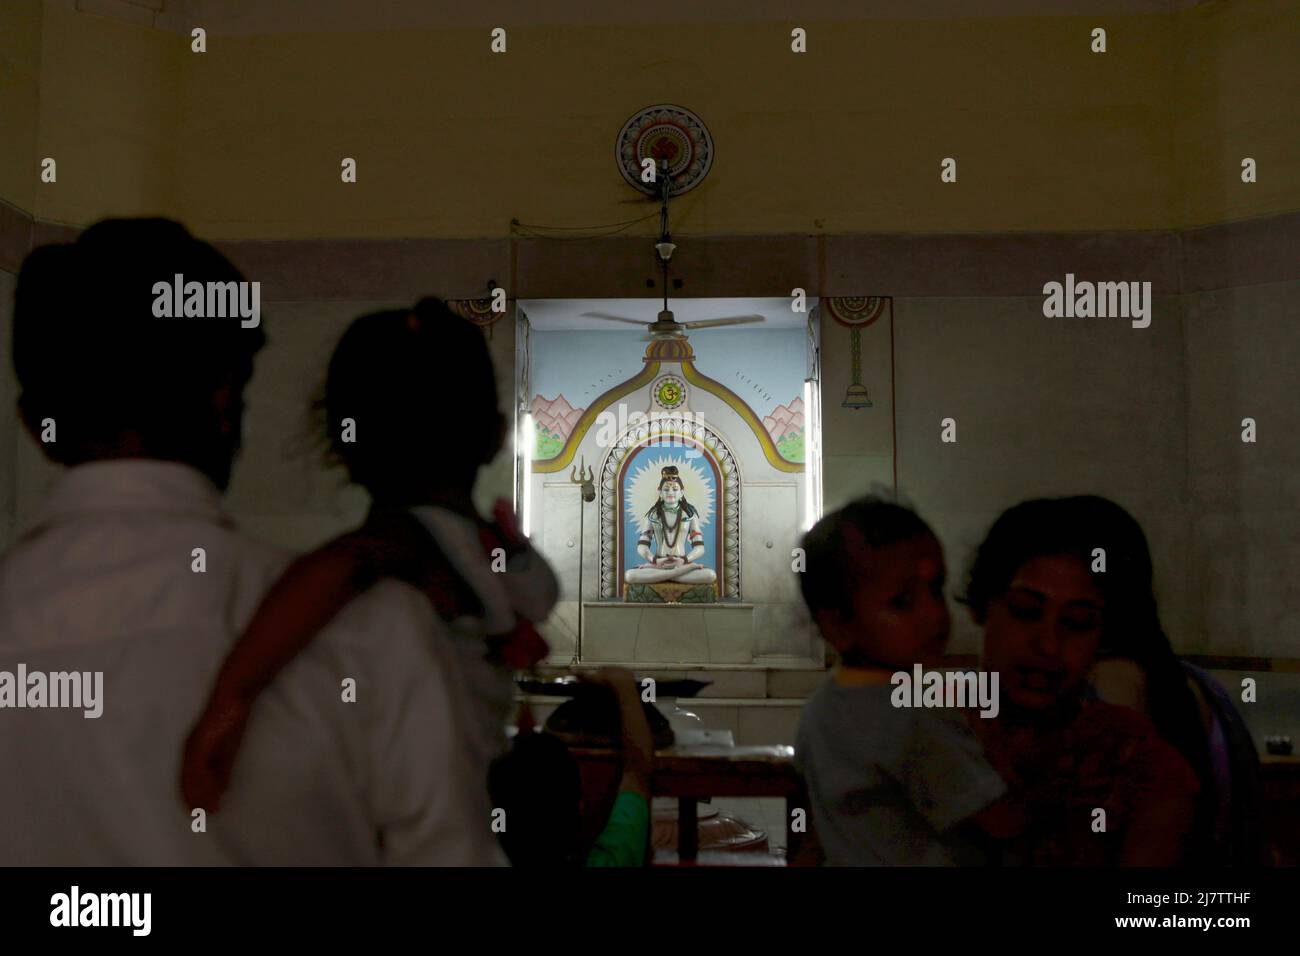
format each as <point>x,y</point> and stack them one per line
<point>699,473</point>
<point>670,420</point>
<point>688,463</point>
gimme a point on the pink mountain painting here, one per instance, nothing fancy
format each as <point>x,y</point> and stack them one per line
<point>555,416</point>
<point>785,421</point>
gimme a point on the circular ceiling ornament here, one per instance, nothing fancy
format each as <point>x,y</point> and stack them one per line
<point>855,312</point>
<point>669,392</point>
<point>665,132</point>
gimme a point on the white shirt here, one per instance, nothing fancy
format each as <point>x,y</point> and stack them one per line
<point>527,590</point>
<point>103,581</point>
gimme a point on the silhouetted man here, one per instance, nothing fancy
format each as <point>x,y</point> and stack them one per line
<point>119,601</point>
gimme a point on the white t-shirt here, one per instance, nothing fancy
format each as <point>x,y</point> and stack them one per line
<point>888,785</point>
<point>526,590</point>
<point>105,581</point>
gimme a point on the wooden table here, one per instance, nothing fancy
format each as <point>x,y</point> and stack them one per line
<point>691,774</point>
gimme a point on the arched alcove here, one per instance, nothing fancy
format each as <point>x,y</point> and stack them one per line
<point>683,440</point>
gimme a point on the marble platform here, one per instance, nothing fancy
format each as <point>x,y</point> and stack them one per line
<point>679,633</point>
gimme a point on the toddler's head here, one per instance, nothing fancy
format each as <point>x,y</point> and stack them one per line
<point>418,389</point>
<point>874,582</point>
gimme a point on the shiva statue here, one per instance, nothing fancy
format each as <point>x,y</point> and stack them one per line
<point>671,541</point>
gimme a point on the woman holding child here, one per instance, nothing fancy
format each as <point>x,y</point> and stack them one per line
<point>1058,778</point>
<point>1055,583</point>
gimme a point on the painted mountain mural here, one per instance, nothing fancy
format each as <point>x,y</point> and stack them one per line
<point>554,420</point>
<point>786,426</point>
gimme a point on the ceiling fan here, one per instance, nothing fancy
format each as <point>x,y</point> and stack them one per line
<point>666,324</point>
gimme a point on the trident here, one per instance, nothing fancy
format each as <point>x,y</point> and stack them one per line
<point>581,475</point>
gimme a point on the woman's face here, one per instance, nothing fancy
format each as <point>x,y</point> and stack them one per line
<point>1042,635</point>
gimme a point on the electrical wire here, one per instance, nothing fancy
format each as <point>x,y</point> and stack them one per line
<point>893,396</point>
<point>611,228</point>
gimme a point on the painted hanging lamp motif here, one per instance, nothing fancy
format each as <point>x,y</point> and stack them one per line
<point>856,313</point>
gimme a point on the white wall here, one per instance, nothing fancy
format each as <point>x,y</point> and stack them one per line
<point>1243,361</point>
<point>1045,407</point>
<point>858,443</point>
<point>1148,417</point>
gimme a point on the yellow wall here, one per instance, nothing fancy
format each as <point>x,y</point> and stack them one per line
<point>1241,97</point>
<point>108,116</point>
<point>245,140</point>
<point>20,58</point>
<point>847,138</point>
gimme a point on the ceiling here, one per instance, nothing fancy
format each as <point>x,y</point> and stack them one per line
<point>553,315</point>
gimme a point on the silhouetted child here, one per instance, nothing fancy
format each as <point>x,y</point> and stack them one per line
<point>554,816</point>
<point>888,785</point>
<point>410,404</point>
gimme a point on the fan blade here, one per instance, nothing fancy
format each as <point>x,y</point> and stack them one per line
<point>614,318</point>
<point>732,320</point>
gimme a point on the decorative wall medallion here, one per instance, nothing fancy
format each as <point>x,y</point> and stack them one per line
<point>665,132</point>
<point>478,311</point>
<point>669,392</point>
<point>856,313</point>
